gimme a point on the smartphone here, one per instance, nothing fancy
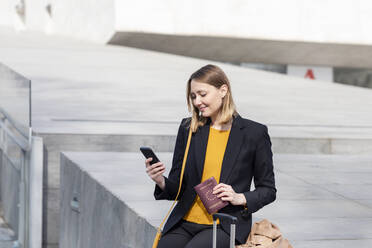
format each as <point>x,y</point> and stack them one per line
<point>148,153</point>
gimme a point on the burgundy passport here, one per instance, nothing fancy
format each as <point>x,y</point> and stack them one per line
<point>205,191</point>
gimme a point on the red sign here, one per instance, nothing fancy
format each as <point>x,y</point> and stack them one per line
<point>309,74</point>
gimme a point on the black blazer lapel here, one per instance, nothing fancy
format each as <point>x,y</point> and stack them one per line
<point>233,146</point>
<point>200,148</point>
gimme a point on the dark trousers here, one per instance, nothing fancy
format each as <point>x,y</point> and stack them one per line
<point>191,235</point>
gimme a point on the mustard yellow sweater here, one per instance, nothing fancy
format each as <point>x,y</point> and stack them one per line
<point>217,142</point>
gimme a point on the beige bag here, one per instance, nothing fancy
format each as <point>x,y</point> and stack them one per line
<point>265,234</point>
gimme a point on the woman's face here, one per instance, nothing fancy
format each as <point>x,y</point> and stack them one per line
<point>207,98</point>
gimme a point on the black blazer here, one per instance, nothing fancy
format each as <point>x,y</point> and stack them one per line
<point>247,156</point>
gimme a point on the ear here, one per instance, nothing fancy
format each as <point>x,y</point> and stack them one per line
<point>223,90</point>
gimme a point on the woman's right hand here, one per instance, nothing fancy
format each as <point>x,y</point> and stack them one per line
<point>155,172</point>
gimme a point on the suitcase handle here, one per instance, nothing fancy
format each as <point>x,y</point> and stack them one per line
<point>232,219</point>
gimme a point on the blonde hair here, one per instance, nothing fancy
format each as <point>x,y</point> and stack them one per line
<point>212,75</point>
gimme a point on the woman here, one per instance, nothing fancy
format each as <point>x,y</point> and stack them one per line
<point>224,145</point>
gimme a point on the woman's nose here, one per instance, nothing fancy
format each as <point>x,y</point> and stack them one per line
<point>198,101</point>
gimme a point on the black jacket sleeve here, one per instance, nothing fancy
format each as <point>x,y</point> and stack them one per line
<point>263,174</point>
<point>172,181</point>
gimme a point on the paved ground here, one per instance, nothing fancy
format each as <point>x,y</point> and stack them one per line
<point>323,201</point>
<point>98,89</point>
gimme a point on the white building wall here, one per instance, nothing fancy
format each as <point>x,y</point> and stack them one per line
<point>7,13</point>
<point>331,21</point>
<point>255,31</point>
<point>325,21</point>
<point>36,16</point>
<point>85,19</point>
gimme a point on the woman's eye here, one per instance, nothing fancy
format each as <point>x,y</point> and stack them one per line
<point>203,95</point>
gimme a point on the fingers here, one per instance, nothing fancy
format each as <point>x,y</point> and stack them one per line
<point>222,188</point>
<point>155,172</point>
<point>147,162</point>
<point>225,192</point>
<point>159,173</point>
<point>228,199</point>
<point>155,169</point>
<point>226,196</point>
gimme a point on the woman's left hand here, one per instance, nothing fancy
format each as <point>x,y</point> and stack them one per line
<point>226,193</point>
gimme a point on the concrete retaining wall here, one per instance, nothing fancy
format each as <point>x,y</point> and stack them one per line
<point>99,218</point>
<point>55,143</point>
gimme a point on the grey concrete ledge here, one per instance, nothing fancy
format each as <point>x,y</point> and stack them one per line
<point>165,143</point>
<point>323,200</point>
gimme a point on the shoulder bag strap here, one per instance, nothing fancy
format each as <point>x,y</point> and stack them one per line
<point>155,244</point>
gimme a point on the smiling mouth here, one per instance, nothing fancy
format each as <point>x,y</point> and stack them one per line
<point>202,109</point>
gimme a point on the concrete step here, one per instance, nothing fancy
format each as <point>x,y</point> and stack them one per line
<point>161,137</point>
<point>322,200</point>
